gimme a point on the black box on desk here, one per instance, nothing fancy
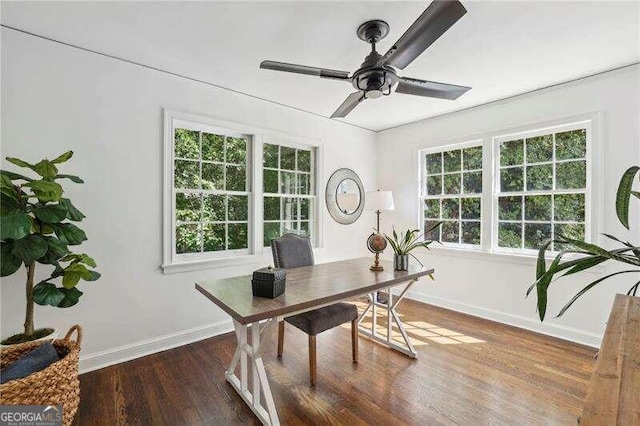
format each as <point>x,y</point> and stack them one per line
<point>268,282</point>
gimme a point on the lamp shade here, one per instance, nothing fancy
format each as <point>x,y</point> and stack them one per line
<point>379,200</point>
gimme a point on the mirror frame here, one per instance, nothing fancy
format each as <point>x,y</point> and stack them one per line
<point>330,196</point>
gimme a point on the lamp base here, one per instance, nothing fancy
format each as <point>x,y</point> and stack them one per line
<point>376,267</point>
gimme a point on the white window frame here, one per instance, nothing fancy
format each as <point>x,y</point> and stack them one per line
<point>423,192</point>
<point>489,216</point>
<point>256,137</point>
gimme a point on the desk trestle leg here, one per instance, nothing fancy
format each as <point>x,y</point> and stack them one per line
<point>253,354</point>
<point>392,316</point>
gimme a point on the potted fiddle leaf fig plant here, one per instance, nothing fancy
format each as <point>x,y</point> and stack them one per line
<point>404,244</point>
<point>36,227</point>
<point>590,255</point>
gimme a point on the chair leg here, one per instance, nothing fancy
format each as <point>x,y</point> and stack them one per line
<point>354,339</point>
<point>280,338</point>
<point>312,360</point>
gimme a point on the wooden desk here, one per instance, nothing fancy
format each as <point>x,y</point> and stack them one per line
<point>307,288</point>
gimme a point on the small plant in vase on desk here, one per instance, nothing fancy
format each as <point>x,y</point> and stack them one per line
<point>405,243</point>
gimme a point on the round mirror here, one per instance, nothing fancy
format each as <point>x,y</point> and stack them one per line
<point>344,196</point>
<point>348,196</point>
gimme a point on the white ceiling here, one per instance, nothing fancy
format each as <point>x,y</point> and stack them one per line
<point>500,49</point>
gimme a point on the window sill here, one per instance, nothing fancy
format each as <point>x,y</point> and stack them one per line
<point>224,262</point>
<point>513,258</point>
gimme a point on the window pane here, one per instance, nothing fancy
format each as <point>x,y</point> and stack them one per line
<point>569,207</point>
<point>434,163</point>
<point>510,235</point>
<point>433,234</point>
<point>304,229</point>
<point>186,175</point>
<point>236,151</point>
<point>287,158</point>
<point>187,144</point>
<point>237,236</point>
<point>434,185</point>
<point>214,237</point>
<point>188,207</point>
<point>540,149</point>
<point>212,147</point>
<point>452,161</point>
<point>188,238</point>
<point>571,144</point>
<point>537,207</point>
<point>450,232</point>
<point>304,160</point>
<point>214,208</point>
<point>289,210</point>
<point>540,177</point>
<point>511,153</point>
<point>571,175</point>
<point>270,154</point>
<point>471,208</point>
<point>304,185</point>
<point>472,158</point>
<point>270,183</point>
<point>536,234</point>
<point>305,208</point>
<point>450,208</point>
<point>471,233</point>
<point>271,208</point>
<point>510,208</point>
<point>452,183</point>
<point>238,206</point>
<point>511,179</point>
<point>287,183</point>
<point>236,178</point>
<point>573,231</point>
<point>472,182</point>
<point>212,176</point>
<point>271,231</point>
<point>432,209</point>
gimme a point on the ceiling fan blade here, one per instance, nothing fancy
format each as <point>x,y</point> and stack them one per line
<point>348,105</point>
<point>430,89</point>
<point>303,69</point>
<point>434,21</point>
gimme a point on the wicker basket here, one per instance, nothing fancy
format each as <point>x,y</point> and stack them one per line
<point>57,384</point>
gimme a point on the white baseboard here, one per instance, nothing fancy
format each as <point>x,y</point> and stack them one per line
<point>561,332</point>
<point>147,347</point>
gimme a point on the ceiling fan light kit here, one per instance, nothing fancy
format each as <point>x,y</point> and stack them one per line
<point>378,74</point>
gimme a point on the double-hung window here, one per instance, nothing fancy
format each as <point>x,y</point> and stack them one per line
<point>452,193</point>
<point>230,189</point>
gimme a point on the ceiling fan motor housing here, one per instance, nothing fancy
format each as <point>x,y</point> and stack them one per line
<point>373,78</point>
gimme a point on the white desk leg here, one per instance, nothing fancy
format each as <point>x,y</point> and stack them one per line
<point>268,415</point>
<point>392,316</point>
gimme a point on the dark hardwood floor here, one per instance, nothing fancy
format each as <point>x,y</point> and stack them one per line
<point>469,371</point>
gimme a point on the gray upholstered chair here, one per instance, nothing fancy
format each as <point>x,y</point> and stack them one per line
<point>293,251</point>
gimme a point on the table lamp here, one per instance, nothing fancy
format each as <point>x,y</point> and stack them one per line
<point>378,201</point>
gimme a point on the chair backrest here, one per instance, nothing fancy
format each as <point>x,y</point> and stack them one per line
<point>291,251</point>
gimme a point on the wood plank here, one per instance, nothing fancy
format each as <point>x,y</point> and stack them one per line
<point>306,288</point>
<point>613,396</point>
<point>508,376</point>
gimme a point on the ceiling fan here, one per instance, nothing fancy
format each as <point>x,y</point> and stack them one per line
<point>377,74</point>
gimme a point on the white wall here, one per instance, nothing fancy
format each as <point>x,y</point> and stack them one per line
<point>493,286</point>
<point>56,98</point>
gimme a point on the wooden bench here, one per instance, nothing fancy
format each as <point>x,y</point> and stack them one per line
<point>613,396</point>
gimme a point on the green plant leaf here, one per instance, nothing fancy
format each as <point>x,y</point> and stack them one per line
<point>8,204</point>
<point>8,189</point>
<point>62,158</point>
<point>94,276</point>
<point>72,212</point>
<point>56,247</point>
<point>8,262</point>
<point>69,233</point>
<point>45,190</point>
<point>15,176</point>
<point>29,248</point>
<point>45,293</point>
<point>72,178</point>
<point>51,213</point>
<point>20,163</point>
<point>14,225</point>
<point>46,169</point>
<point>71,297</point>
<point>633,289</point>
<point>73,273</point>
<point>623,196</point>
